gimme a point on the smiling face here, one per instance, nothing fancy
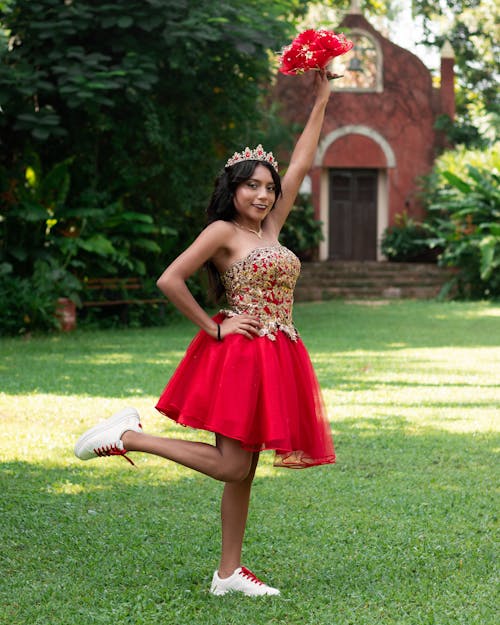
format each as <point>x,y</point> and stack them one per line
<point>255,197</point>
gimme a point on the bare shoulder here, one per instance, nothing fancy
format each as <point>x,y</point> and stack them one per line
<point>221,234</point>
<point>214,240</point>
<point>217,236</point>
<point>219,228</point>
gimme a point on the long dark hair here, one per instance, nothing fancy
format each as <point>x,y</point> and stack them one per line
<point>221,206</point>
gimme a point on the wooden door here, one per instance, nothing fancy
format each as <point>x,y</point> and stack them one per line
<point>353,214</point>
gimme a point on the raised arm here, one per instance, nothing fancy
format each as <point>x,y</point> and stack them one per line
<point>303,154</point>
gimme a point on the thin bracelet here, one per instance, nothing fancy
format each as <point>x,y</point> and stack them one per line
<point>218,333</point>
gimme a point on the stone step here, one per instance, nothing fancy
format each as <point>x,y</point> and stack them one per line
<point>317,293</point>
<point>343,279</point>
<point>352,280</point>
<point>382,269</point>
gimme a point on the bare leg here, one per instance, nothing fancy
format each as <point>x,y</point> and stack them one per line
<point>225,461</point>
<point>234,512</point>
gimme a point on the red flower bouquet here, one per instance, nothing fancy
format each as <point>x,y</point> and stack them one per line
<point>312,49</point>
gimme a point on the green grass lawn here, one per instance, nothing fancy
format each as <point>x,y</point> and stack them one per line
<point>402,530</point>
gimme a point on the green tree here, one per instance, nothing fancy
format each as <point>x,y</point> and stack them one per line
<point>144,96</point>
<point>473,33</point>
<point>130,105</point>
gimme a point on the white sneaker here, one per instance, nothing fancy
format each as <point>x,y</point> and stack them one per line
<point>104,439</point>
<point>242,580</point>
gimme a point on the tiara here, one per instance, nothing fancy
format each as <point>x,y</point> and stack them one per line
<point>259,154</point>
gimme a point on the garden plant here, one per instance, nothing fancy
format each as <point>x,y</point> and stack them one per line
<point>461,228</point>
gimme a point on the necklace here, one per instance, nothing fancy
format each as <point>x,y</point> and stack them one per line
<point>257,232</point>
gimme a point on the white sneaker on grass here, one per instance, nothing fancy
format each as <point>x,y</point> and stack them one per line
<point>104,439</point>
<point>242,580</point>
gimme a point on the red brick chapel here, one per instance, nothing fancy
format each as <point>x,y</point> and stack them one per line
<point>378,138</point>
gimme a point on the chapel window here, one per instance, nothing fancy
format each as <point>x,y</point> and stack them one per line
<point>361,67</point>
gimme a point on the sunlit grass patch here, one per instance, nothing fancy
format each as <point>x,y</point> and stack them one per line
<point>402,531</point>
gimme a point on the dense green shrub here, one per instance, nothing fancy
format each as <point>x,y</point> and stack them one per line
<point>28,304</point>
<point>38,223</point>
<point>115,118</point>
<point>21,307</point>
<point>408,241</point>
<point>142,99</point>
<point>464,216</point>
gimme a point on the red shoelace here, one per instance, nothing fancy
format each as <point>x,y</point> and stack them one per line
<point>251,576</point>
<point>112,450</point>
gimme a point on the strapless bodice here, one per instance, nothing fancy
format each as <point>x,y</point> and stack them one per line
<point>261,285</point>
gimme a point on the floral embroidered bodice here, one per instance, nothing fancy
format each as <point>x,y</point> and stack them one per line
<point>261,284</point>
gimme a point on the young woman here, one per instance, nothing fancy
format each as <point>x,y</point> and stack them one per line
<point>246,376</point>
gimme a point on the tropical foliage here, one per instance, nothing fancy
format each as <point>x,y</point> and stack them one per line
<point>464,215</point>
<point>406,241</point>
<point>462,226</point>
<point>114,116</point>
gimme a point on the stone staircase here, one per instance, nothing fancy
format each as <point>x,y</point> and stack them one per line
<point>369,280</point>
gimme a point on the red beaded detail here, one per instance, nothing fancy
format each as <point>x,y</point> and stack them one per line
<point>261,285</point>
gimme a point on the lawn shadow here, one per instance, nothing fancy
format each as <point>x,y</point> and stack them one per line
<point>329,380</point>
<point>406,516</point>
<point>138,363</point>
<point>132,363</point>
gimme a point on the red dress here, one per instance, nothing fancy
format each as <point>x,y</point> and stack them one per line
<point>262,391</point>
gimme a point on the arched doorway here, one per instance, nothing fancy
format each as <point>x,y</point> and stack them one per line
<point>354,203</point>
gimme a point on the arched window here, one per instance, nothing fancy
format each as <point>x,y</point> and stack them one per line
<point>361,67</point>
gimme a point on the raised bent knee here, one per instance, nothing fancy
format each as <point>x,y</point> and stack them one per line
<point>233,472</point>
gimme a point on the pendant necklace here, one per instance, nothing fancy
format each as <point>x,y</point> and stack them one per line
<point>256,232</point>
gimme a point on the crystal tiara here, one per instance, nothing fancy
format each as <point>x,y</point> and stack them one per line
<point>259,154</point>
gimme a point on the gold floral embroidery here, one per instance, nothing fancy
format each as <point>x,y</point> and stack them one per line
<point>261,285</point>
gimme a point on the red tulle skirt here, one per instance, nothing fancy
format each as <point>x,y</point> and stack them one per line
<point>260,392</point>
